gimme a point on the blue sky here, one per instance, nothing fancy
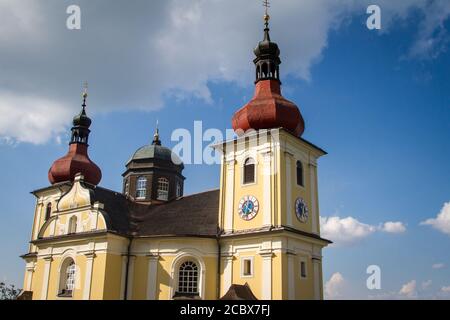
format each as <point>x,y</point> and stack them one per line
<point>377,101</point>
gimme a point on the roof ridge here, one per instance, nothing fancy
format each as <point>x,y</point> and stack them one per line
<point>198,193</point>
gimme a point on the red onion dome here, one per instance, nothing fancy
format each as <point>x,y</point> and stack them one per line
<point>77,159</point>
<point>268,109</point>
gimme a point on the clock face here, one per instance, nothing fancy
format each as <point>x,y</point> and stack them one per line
<point>248,208</point>
<point>301,210</point>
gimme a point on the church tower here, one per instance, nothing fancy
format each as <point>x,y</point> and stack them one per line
<point>269,212</point>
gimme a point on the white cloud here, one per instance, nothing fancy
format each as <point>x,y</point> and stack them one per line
<point>393,227</point>
<point>408,290</point>
<point>433,37</point>
<point>438,266</point>
<point>442,221</point>
<point>347,231</point>
<point>172,47</point>
<point>31,119</point>
<point>426,284</point>
<point>445,289</point>
<point>344,231</point>
<point>333,287</point>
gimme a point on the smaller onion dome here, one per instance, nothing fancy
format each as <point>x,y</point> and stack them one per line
<point>77,159</point>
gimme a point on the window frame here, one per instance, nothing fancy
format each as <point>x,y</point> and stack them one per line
<point>189,283</point>
<point>141,187</point>
<point>252,267</point>
<point>48,211</point>
<point>73,225</point>
<point>162,194</point>
<point>302,167</point>
<point>244,167</point>
<point>303,261</point>
<point>67,278</point>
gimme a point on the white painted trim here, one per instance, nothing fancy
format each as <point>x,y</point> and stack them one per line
<point>182,257</point>
<point>313,194</point>
<point>38,221</point>
<point>130,278</point>
<point>152,274</point>
<point>88,277</point>
<point>252,267</point>
<point>266,293</point>
<point>317,284</point>
<point>229,196</point>
<point>30,272</point>
<point>227,273</point>
<point>288,178</point>
<point>44,292</point>
<point>291,276</point>
<point>267,193</point>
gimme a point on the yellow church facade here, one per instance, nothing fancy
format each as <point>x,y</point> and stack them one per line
<point>257,237</point>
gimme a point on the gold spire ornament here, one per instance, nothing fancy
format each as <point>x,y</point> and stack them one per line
<point>266,4</point>
<point>85,93</point>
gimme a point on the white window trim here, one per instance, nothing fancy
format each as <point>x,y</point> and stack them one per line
<point>255,159</point>
<point>67,255</point>
<point>140,189</point>
<point>305,261</point>
<point>163,195</point>
<point>252,269</point>
<point>178,261</point>
<point>303,187</point>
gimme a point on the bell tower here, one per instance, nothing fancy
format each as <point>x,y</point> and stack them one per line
<point>269,212</point>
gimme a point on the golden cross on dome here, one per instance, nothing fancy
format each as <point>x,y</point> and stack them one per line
<point>266,4</point>
<point>85,93</point>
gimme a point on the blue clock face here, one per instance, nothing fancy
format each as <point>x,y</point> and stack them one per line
<point>248,208</point>
<point>301,210</point>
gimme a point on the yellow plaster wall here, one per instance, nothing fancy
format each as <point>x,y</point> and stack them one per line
<point>98,276</point>
<point>113,277</point>
<point>140,278</point>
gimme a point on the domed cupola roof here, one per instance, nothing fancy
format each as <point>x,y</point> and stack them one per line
<point>77,159</point>
<point>82,119</point>
<point>156,152</point>
<point>266,48</point>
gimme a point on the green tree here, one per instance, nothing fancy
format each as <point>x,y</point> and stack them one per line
<point>8,292</point>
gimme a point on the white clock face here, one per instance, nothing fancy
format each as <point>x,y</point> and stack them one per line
<point>301,210</point>
<point>248,208</point>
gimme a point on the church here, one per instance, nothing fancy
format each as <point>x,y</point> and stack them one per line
<point>257,237</point>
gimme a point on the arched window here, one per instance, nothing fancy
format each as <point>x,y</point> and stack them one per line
<point>72,225</point>
<point>48,212</point>
<point>188,278</point>
<point>67,278</point>
<point>141,188</point>
<point>249,171</point>
<point>163,189</point>
<point>300,178</point>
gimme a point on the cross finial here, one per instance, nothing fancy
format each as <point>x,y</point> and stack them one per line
<point>266,4</point>
<point>156,140</point>
<point>85,93</point>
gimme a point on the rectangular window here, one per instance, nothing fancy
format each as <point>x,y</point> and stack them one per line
<point>303,273</point>
<point>247,267</point>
